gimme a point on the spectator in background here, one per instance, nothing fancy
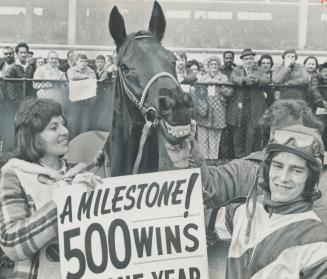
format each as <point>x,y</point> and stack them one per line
<point>267,63</point>
<point>5,137</point>
<point>182,76</point>
<point>30,59</point>
<point>248,103</point>
<point>226,150</point>
<point>292,74</point>
<point>100,69</point>
<point>17,90</point>
<point>82,111</point>
<point>227,68</point>
<point>319,95</point>
<point>81,70</point>
<point>181,60</point>
<point>9,59</point>
<point>71,60</point>
<point>111,66</point>
<point>193,67</point>
<point>20,69</point>
<point>49,89</point>
<point>311,65</point>
<point>211,111</point>
<point>39,61</point>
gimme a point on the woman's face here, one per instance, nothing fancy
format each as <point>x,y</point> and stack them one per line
<point>54,138</point>
<point>39,62</point>
<point>213,68</point>
<point>311,65</point>
<point>53,60</point>
<point>266,64</point>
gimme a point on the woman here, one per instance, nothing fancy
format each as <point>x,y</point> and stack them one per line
<point>311,65</point>
<point>51,89</point>
<point>211,110</point>
<point>28,213</point>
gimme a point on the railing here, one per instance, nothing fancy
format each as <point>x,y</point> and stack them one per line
<point>96,114</point>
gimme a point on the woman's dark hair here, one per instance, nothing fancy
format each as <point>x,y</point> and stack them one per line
<point>308,193</point>
<point>266,56</point>
<point>311,57</point>
<point>32,117</point>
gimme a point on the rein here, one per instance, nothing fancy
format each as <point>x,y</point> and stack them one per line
<point>140,104</point>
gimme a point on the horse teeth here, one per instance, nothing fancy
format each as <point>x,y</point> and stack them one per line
<point>178,131</point>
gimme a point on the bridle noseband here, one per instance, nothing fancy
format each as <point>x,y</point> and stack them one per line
<point>131,95</point>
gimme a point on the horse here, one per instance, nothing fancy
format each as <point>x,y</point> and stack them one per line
<point>150,108</point>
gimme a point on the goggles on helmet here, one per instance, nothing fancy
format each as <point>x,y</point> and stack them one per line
<point>302,141</point>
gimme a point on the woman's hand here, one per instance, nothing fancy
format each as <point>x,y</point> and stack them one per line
<point>88,179</point>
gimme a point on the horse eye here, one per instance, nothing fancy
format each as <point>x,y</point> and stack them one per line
<point>124,69</point>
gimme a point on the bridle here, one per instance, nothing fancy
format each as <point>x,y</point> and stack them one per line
<point>140,104</point>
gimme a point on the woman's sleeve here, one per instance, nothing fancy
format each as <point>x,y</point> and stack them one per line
<point>39,75</point>
<point>23,231</point>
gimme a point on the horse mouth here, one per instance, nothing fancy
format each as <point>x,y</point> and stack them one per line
<point>174,134</point>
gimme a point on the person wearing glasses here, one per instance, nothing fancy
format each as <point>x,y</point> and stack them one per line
<point>275,233</point>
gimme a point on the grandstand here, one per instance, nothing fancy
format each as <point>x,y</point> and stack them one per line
<point>201,24</point>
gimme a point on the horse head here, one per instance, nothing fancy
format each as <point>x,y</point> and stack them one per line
<point>146,75</point>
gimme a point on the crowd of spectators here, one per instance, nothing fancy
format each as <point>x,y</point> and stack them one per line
<point>230,102</point>
<point>229,99</point>
<point>253,87</point>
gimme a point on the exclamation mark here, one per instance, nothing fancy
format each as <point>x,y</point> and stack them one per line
<point>190,187</point>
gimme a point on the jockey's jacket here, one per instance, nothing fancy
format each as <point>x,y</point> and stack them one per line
<point>286,241</point>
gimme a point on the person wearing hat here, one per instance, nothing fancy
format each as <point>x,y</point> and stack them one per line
<point>247,104</point>
<point>293,75</point>
<point>275,234</point>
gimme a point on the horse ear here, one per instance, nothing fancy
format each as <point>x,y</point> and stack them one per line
<point>117,27</point>
<point>157,23</point>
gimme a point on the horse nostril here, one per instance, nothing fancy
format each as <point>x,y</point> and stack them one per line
<point>188,101</point>
<point>165,103</point>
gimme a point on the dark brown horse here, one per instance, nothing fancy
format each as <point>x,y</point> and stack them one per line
<point>146,92</point>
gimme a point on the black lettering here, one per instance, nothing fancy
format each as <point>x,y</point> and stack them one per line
<point>85,205</point>
<point>165,193</point>
<point>67,211</point>
<point>154,275</point>
<point>140,196</point>
<point>194,273</point>
<point>138,276</point>
<point>117,198</point>
<point>112,244</point>
<point>191,237</point>
<point>159,241</point>
<point>97,201</point>
<point>173,239</point>
<point>181,273</point>
<point>130,198</point>
<point>168,273</point>
<point>177,192</point>
<point>143,242</point>
<point>96,227</point>
<point>105,210</point>
<point>156,188</point>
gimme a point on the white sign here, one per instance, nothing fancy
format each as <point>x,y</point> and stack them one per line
<point>141,226</point>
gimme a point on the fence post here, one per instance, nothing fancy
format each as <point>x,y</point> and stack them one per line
<point>24,86</point>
